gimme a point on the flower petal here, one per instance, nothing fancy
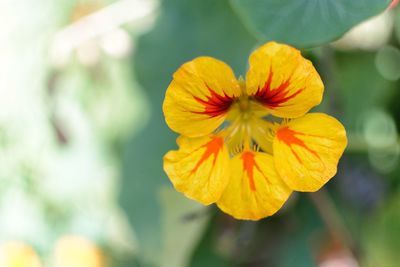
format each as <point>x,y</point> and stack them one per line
<point>199,96</point>
<point>283,81</point>
<point>307,151</point>
<point>200,168</point>
<point>255,190</point>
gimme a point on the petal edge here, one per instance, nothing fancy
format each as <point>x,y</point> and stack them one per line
<point>255,190</point>
<point>200,168</point>
<point>307,151</point>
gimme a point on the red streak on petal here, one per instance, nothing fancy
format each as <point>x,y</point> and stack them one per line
<point>212,148</point>
<point>289,137</point>
<point>215,104</point>
<point>248,165</point>
<point>275,97</point>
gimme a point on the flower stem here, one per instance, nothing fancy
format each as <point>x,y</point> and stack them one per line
<point>332,219</point>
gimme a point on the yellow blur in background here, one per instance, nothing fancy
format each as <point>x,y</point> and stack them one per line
<point>17,254</point>
<point>75,251</point>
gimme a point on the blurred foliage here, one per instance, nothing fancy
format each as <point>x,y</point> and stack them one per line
<point>358,78</point>
<point>388,62</point>
<point>82,137</point>
<point>382,235</point>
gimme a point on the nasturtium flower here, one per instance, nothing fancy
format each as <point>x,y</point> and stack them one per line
<point>247,145</point>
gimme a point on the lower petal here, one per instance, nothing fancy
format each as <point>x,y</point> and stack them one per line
<point>255,190</point>
<point>307,151</point>
<point>200,168</point>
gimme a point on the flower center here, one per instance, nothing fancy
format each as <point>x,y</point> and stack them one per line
<point>244,103</point>
<point>246,126</point>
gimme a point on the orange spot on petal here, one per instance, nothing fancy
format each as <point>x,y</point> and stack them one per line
<point>212,149</point>
<point>249,163</point>
<point>289,137</point>
<point>215,104</point>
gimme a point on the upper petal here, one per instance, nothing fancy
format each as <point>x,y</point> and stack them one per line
<point>283,81</point>
<point>255,190</point>
<point>307,151</point>
<point>199,96</point>
<point>200,168</point>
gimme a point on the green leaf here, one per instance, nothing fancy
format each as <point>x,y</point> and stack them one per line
<point>388,62</point>
<point>397,24</point>
<point>297,239</point>
<point>181,233</point>
<point>382,236</point>
<point>207,254</point>
<point>360,87</point>
<point>304,23</point>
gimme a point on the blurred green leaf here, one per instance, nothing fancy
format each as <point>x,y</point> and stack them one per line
<point>181,230</point>
<point>360,85</point>
<point>184,30</point>
<point>304,23</point>
<point>388,62</point>
<point>206,253</point>
<point>382,236</point>
<point>397,24</point>
<point>299,239</point>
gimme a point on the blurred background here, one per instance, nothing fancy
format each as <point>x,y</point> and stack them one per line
<point>82,134</point>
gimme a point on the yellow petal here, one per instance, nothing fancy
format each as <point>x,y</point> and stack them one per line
<point>200,168</point>
<point>283,81</point>
<point>307,151</point>
<point>199,96</point>
<point>255,190</point>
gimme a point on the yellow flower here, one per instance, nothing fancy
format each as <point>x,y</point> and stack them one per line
<point>246,145</point>
<point>76,251</point>
<point>17,254</point>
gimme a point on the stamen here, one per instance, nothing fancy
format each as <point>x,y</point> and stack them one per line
<point>256,147</point>
<point>247,128</point>
<point>242,84</point>
<point>237,136</point>
<point>270,134</point>
<point>285,121</point>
